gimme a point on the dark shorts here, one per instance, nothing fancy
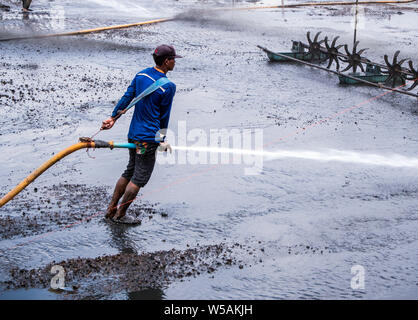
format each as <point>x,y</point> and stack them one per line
<point>140,166</point>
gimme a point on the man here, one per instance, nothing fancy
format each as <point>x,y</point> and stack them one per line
<point>26,5</point>
<point>150,118</point>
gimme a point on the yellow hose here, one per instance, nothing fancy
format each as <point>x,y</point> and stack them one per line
<point>81,32</point>
<point>30,178</point>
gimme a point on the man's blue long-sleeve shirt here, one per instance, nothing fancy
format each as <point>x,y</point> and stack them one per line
<point>152,112</point>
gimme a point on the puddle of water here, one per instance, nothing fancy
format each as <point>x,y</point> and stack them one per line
<point>29,294</point>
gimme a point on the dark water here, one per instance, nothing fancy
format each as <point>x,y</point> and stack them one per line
<point>308,222</point>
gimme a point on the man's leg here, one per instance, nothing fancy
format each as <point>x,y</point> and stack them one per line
<point>131,192</point>
<point>143,165</point>
<point>121,184</point>
<point>117,194</point>
<point>26,5</point>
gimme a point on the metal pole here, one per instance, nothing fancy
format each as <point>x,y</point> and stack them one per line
<point>355,24</point>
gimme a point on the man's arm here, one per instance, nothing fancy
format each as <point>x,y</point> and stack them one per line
<point>126,99</point>
<point>122,104</point>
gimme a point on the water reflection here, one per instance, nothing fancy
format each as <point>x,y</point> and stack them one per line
<point>120,238</point>
<point>124,244</point>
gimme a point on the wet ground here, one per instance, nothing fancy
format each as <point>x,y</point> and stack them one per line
<point>293,231</point>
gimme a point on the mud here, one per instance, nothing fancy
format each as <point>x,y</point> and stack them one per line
<point>62,206</point>
<point>127,271</point>
<point>104,276</point>
<point>4,7</point>
<point>32,96</point>
<point>299,226</point>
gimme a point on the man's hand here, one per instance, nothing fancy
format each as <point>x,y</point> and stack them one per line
<point>108,124</point>
<point>164,146</point>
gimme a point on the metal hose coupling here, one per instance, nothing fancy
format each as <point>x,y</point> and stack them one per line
<point>97,143</point>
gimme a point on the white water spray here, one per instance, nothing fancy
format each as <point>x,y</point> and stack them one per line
<point>394,160</point>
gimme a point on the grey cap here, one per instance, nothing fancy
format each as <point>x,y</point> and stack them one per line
<point>166,50</point>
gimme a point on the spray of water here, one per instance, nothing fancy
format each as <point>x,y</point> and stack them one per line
<point>394,160</point>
